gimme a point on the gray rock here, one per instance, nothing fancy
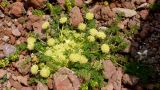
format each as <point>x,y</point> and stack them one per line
<point>127,12</point>
<point>8,49</point>
<point>1,14</point>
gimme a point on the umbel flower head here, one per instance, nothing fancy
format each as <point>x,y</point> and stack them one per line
<point>83,59</point>
<point>63,20</point>
<point>91,38</point>
<point>101,35</point>
<point>105,48</point>
<point>30,43</point>
<point>34,69</point>
<point>45,72</point>
<point>45,25</point>
<point>48,53</point>
<point>74,57</point>
<point>50,42</point>
<point>93,32</point>
<point>89,16</point>
<point>82,26</point>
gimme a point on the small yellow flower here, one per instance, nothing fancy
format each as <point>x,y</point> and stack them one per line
<point>31,40</point>
<point>30,46</point>
<point>101,35</point>
<point>93,32</point>
<point>89,16</point>
<point>45,72</point>
<point>63,20</point>
<point>83,60</point>
<point>50,42</point>
<point>82,26</point>
<point>45,25</point>
<point>34,69</point>
<point>91,38</point>
<point>105,48</point>
<point>48,53</point>
<point>75,57</point>
<point>35,58</point>
<point>106,3</point>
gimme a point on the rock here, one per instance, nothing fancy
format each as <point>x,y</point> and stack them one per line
<point>16,32</point>
<point>5,38</point>
<point>97,11</point>
<point>17,9</point>
<point>109,69</point>
<point>79,3</point>
<point>116,79</point>
<point>151,1</point>
<point>121,25</point>
<point>127,12</point>
<point>112,5</point>
<point>23,65</point>
<point>144,14</point>
<point>8,49</point>
<point>38,4</point>
<point>41,86</point>
<point>37,27</point>
<point>144,5</point>
<point>108,87</point>
<point>23,80</point>
<point>76,16</point>
<point>61,3</point>
<point>65,79</point>
<point>50,84</point>
<point>15,84</point>
<point>128,5</point>
<point>129,80</point>
<point>1,14</point>
<point>2,54</point>
<point>27,88</point>
<point>140,1</point>
<point>2,73</point>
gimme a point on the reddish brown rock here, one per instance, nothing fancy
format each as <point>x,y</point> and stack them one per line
<point>23,80</point>
<point>61,3</point>
<point>41,86</point>
<point>23,65</point>
<point>109,69</point>
<point>15,84</point>
<point>79,3</point>
<point>26,88</point>
<point>144,14</point>
<point>76,16</point>
<point>65,79</point>
<point>2,73</point>
<point>17,9</point>
<point>37,3</point>
<point>116,79</point>
<point>129,80</point>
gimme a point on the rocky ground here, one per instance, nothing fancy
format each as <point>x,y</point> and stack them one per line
<point>17,21</point>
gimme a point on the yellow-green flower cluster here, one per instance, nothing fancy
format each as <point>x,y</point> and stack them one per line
<point>63,20</point>
<point>105,48</point>
<point>98,34</point>
<point>101,35</point>
<point>30,43</point>
<point>75,57</point>
<point>45,72</point>
<point>34,69</point>
<point>91,38</point>
<point>45,25</point>
<point>82,26</point>
<point>50,42</point>
<point>89,16</point>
